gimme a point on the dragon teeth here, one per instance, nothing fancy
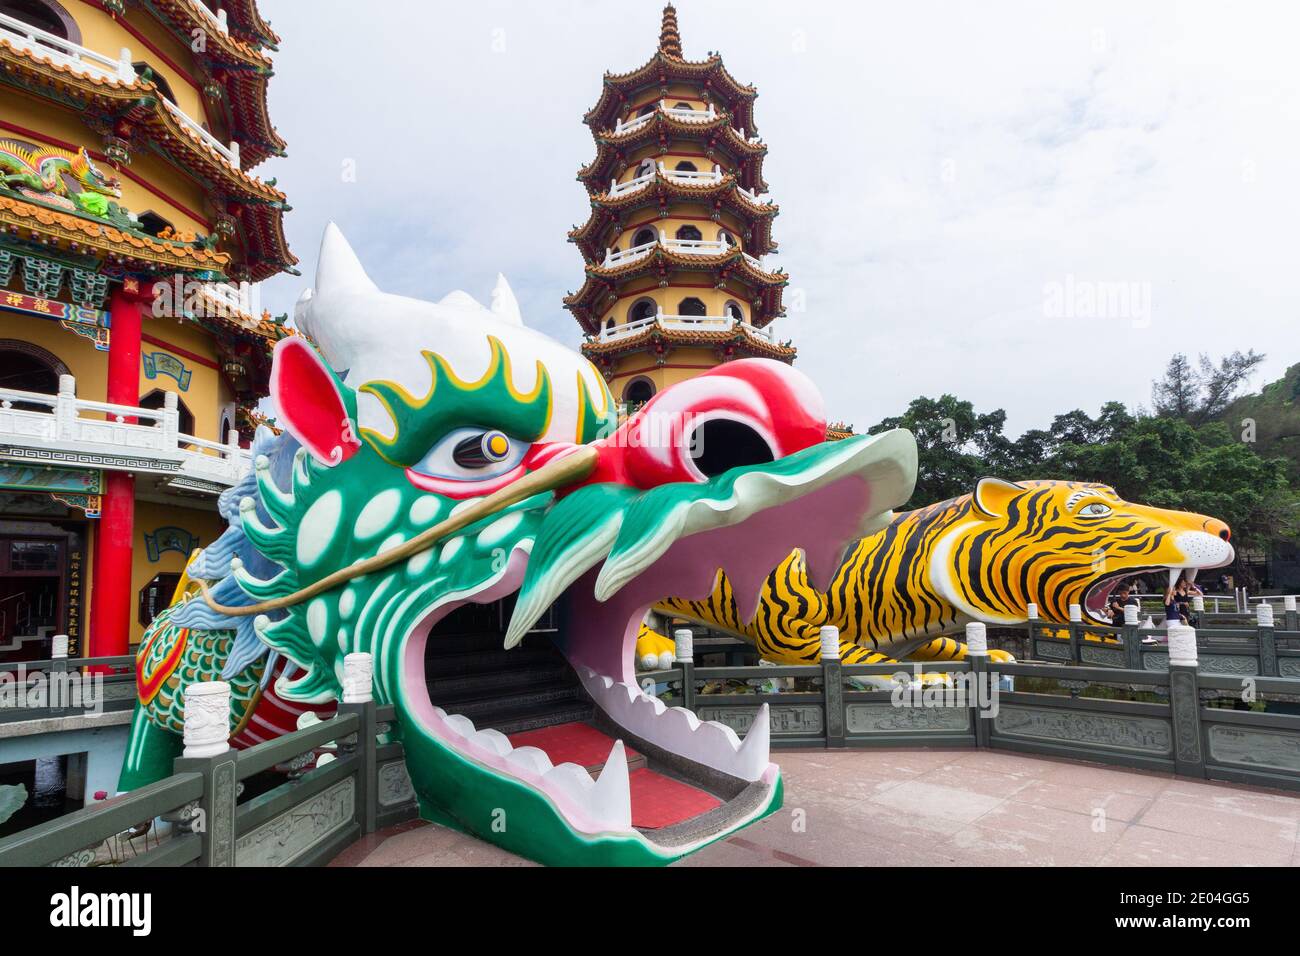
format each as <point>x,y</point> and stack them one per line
<point>680,731</point>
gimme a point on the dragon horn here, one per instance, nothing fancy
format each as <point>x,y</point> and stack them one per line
<point>324,314</point>
<point>504,304</point>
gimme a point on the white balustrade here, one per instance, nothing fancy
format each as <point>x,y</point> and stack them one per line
<point>699,323</point>
<point>218,18</point>
<point>87,62</point>
<point>65,424</point>
<point>692,176</point>
<point>632,185</point>
<point>63,52</point>
<point>681,114</point>
<point>613,257</point>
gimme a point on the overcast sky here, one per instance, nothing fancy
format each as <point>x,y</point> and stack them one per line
<point>955,180</point>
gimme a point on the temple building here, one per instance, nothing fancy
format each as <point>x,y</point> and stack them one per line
<point>675,244</point>
<point>132,352</point>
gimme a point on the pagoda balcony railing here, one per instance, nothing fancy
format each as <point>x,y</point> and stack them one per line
<point>688,323</point>
<point>63,429</point>
<point>218,18</point>
<point>230,153</point>
<point>87,62</point>
<point>678,113</point>
<point>753,197</point>
<point>689,247</point>
<point>687,176</point>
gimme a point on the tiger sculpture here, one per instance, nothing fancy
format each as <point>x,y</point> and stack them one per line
<point>984,557</point>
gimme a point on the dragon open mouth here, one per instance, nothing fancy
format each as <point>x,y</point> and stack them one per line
<point>603,556</point>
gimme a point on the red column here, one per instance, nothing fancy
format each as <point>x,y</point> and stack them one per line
<point>110,611</point>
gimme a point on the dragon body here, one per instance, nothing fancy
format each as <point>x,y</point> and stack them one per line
<point>44,171</point>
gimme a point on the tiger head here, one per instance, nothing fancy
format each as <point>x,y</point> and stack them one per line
<point>1057,543</point>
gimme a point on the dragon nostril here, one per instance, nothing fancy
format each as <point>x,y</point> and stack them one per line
<point>720,444</point>
<point>1225,534</point>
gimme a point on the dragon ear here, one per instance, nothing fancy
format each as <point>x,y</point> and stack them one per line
<point>992,495</point>
<point>311,403</point>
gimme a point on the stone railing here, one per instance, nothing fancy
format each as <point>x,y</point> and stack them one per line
<point>702,323</point>
<point>339,783</point>
<point>682,115</point>
<point>65,429</point>
<point>87,62</point>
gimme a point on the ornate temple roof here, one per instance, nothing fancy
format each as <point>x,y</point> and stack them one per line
<point>717,134</point>
<point>668,65</point>
<point>724,195</point>
<point>136,107</point>
<point>240,68</point>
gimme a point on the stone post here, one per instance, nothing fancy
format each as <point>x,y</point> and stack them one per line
<point>977,655</point>
<point>684,654</point>
<point>1076,631</point>
<point>1185,701</point>
<point>1266,639</point>
<point>1132,640</point>
<point>58,686</point>
<point>1031,623</point>
<point>832,686</point>
<point>207,752</point>
<point>1289,613</point>
<point>359,699</point>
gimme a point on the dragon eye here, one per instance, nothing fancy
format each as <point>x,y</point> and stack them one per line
<point>1095,510</point>
<point>472,454</point>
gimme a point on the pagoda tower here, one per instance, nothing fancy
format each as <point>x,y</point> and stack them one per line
<point>132,350</point>
<point>674,247</point>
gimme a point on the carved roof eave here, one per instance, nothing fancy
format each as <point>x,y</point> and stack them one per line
<point>662,69</point>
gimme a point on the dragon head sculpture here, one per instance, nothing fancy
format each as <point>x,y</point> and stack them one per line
<point>92,177</point>
<point>402,415</point>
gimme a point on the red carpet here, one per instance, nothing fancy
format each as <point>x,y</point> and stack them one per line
<point>569,743</point>
<point>657,801</point>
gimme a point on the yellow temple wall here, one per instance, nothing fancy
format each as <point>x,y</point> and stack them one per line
<point>207,390</point>
<point>149,517</point>
<point>85,363</point>
<point>682,364</point>
<point>107,36</point>
<point>180,195</point>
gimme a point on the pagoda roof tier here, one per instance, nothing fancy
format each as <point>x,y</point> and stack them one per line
<point>220,45</point>
<point>663,128</point>
<point>588,302</point>
<point>663,69</point>
<point>136,107</point>
<point>238,65</point>
<point>80,234</point>
<point>740,341</point>
<point>246,21</point>
<point>658,190</point>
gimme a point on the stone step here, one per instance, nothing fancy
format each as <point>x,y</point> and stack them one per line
<point>512,719</point>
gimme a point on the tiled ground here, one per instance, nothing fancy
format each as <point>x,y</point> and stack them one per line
<point>938,808</point>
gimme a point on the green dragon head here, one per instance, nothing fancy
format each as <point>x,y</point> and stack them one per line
<point>402,413</point>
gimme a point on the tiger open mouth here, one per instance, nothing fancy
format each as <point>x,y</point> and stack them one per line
<point>604,555</point>
<point>1211,553</point>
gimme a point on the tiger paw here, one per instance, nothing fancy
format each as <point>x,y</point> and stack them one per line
<point>653,650</point>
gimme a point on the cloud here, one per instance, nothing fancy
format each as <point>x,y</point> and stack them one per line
<point>936,168</point>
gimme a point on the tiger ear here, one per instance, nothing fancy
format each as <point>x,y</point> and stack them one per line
<point>992,495</point>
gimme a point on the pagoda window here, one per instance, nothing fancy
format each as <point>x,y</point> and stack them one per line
<point>686,166</point>
<point>157,79</point>
<point>735,311</point>
<point>692,306</point>
<point>609,324</point>
<point>646,110</point>
<point>184,417</point>
<point>727,237</point>
<point>647,166</point>
<point>638,392</point>
<point>642,309</point>
<point>152,223</point>
<point>644,237</point>
<point>683,106</point>
<point>43,15</point>
<point>689,233</point>
<point>25,367</point>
